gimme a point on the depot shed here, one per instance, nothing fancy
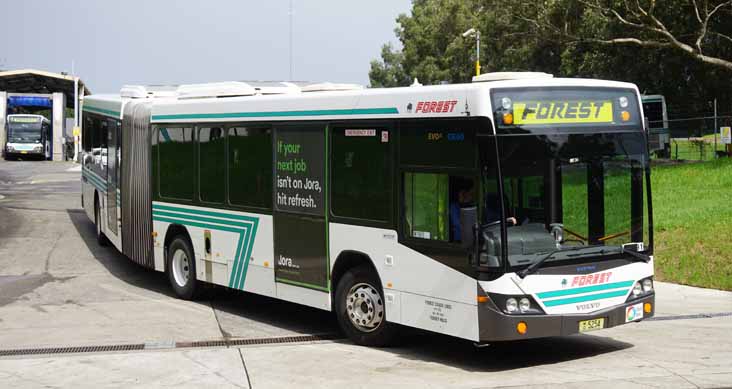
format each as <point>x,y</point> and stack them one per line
<point>37,90</point>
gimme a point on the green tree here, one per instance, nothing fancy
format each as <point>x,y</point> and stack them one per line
<point>389,71</point>
<point>609,39</point>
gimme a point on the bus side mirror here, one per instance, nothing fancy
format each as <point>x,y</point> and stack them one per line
<point>468,217</point>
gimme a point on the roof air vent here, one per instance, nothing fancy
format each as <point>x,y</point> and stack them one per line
<point>330,87</point>
<point>133,92</point>
<point>501,76</point>
<point>215,89</point>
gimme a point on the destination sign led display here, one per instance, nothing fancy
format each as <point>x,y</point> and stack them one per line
<point>15,119</point>
<point>560,109</point>
<point>563,112</point>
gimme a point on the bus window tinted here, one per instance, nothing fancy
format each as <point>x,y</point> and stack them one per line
<point>362,179</point>
<point>176,156</point>
<point>250,166</point>
<point>212,160</point>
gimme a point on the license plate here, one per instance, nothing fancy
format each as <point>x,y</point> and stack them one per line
<point>591,325</point>
<point>24,152</point>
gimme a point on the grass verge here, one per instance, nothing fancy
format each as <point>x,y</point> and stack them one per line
<point>692,208</point>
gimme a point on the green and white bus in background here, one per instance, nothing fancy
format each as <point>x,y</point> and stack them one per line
<point>659,136</point>
<point>514,207</point>
<point>28,136</point>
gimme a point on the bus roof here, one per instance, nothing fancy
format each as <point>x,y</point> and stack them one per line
<point>277,101</point>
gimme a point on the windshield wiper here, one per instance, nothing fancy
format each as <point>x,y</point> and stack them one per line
<point>535,266</point>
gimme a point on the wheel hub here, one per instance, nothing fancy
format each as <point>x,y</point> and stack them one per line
<point>181,268</point>
<point>365,307</point>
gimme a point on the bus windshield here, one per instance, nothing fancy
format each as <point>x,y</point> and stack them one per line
<point>24,132</point>
<point>570,192</point>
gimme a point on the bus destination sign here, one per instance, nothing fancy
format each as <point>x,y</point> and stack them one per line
<point>16,119</point>
<point>563,112</point>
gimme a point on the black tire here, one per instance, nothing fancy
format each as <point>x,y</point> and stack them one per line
<point>101,238</point>
<point>377,332</point>
<point>187,288</point>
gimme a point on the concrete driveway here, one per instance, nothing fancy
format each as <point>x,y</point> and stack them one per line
<point>73,314</point>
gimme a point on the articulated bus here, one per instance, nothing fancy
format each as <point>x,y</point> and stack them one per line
<point>517,206</point>
<point>27,136</point>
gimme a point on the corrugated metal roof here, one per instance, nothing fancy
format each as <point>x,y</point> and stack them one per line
<point>39,81</point>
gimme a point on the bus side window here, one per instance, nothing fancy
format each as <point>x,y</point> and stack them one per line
<point>433,202</point>
<point>426,206</point>
<point>86,133</point>
<point>176,162</point>
<point>361,185</point>
<point>250,166</point>
<point>211,164</point>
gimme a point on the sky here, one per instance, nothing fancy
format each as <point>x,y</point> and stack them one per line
<point>114,43</point>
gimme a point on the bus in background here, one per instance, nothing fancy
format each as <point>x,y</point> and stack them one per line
<point>514,207</point>
<point>659,138</point>
<point>28,136</point>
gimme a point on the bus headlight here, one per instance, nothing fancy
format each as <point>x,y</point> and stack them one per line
<point>38,148</point>
<point>524,305</point>
<point>516,304</point>
<point>10,148</point>
<point>637,289</point>
<point>506,103</point>
<point>623,102</point>
<point>641,288</point>
<point>647,285</point>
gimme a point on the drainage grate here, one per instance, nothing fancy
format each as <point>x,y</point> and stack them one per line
<point>696,316</point>
<point>284,339</point>
<point>158,346</point>
<point>72,350</point>
<point>201,343</point>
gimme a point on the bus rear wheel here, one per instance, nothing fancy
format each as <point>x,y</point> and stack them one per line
<point>360,309</point>
<point>182,268</point>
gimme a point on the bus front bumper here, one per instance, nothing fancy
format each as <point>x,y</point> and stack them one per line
<point>23,153</point>
<point>497,326</point>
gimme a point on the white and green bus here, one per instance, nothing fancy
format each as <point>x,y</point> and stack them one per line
<point>28,136</point>
<point>514,207</point>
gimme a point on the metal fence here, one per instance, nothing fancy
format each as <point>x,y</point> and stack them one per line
<point>693,138</point>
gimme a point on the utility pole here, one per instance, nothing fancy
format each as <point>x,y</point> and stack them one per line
<point>475,33</point>
<point>291,65</point>
<point>715,128</point>
<point>76,130</point>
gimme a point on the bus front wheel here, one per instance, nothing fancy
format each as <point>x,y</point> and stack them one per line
<point>182,268</point>
<point>360,309</point>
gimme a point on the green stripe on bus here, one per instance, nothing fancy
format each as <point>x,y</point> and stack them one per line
<point>100,110</point>
<point>203,213</point>
<point>199,218</point>
<point>96,183</point>
<point>245,226</point>
<point>240,259</point>
<point>586,289</point>
<point>303,284</point>
<point>588,297</point>
<point>91,173</point>
<point>319,112</point>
